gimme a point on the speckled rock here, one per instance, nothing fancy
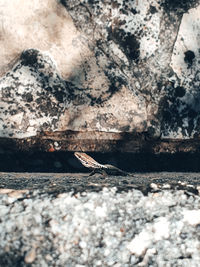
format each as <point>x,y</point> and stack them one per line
<point>30,96</point>
<point>120,66</point>
<point>144,41</point>
<point>35,98</point>
<point>100,229</point>
<point>181,107</point>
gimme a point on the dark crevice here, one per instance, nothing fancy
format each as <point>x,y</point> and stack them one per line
<point>65,162</point>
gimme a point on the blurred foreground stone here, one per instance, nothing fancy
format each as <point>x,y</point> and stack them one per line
<point>76,220</point>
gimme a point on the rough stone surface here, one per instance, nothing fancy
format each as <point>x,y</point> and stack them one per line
<point>182,106</point>
<point>120,66</point>
<point>44,26</point>
<point>33,96</point>
<point>141,39</point>
<point>100,229</point>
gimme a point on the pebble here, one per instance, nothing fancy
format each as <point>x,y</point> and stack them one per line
<point>30,256</point>
<point>5,190</point>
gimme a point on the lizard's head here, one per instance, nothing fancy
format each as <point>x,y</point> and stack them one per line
<point>87,161</point>
<point>81,156</point>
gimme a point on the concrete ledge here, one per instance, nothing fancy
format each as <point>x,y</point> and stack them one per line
<point>100,142</point>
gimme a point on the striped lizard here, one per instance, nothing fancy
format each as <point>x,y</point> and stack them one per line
<point>96,167</point>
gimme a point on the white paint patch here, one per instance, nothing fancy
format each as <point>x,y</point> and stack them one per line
<point>140,243</point>
<point>158,231</point>
<point>188,39</point>
<point>161,228</point>
<point>17,118</point>
<point>101,211</point>
<point>150,42</point>
<point>118,52</point>
<point>43,25</point>
<point>192,216</point>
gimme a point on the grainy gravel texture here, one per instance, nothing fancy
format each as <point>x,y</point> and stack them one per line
<point>112,227</point>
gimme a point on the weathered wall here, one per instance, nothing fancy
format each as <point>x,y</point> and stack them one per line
<point>112,66</point>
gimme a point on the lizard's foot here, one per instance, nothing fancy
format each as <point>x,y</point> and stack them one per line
<point>101,172</point>
<point>92,173</point>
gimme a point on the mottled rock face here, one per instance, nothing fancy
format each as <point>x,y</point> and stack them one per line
<point>113,66</point>
<point>183,100</point>
<point>32,96</point>
<point>154,46</point>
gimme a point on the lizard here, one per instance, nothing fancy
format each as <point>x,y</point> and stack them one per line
<point>96,167</point>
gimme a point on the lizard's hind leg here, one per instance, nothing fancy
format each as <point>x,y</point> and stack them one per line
<point>102,172</point>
